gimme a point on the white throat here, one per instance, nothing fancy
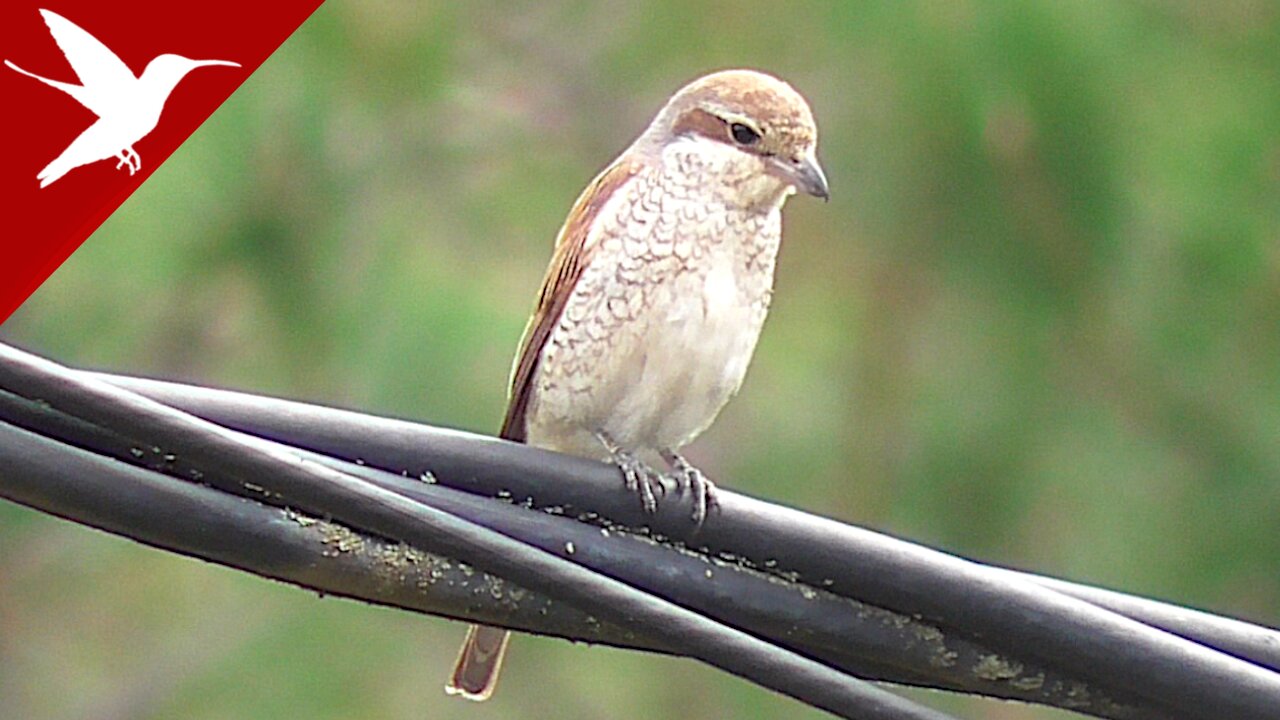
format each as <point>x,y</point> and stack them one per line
<point>726,174</point>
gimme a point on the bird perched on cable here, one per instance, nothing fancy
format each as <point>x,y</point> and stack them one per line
<point>658,287</point>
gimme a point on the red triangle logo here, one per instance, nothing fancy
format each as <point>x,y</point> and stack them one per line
<point>98,95</point>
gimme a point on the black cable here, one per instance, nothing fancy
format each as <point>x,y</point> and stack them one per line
<point>249,461</point>
<point>1257,644</point>
<point>1019,616</point>
<point>865,641</point>
<point>56,464</point>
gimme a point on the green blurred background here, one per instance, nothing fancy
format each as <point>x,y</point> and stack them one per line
<point>1037,325</point>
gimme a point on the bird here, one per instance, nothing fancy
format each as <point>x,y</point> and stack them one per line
<point>128,107</point>
<point>655,296</point>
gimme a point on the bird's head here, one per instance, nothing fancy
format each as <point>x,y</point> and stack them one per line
<point>752,114</point>
<point>168,69</point>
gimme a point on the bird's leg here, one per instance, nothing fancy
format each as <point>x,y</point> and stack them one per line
<point>135,161</point>
<point>123,157</point>
<point>639,477</point>
<point>688,476</point>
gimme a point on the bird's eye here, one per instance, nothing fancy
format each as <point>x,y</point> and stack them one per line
<point>744,134</point>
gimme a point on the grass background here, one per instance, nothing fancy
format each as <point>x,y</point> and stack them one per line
<point>1038,324</point>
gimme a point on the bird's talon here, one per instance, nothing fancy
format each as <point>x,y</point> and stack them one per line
<point>687,476</point>
<point>704,497</point>
<point>642,480</point>
<point>637,475</point>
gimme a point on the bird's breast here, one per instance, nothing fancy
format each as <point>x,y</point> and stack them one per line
<point>660,327</point>
<point>659,333</point>
<point>698,347</point>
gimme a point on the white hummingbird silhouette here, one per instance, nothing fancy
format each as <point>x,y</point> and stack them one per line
<point>127,107</point>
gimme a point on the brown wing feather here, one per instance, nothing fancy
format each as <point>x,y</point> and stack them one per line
<point>571,256</point>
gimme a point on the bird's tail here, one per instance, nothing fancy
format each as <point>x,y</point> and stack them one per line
<point>24,72</point>
<point>58,167</point>
<point>54,170</point>
<point>28,73</point>
<point>476,672</point>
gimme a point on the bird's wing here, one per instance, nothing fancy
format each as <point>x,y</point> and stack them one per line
<point>572,254</point>
<point>101,72</point>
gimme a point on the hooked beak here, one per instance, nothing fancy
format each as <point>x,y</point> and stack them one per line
<point>806,174</point>
<point>207,63</point>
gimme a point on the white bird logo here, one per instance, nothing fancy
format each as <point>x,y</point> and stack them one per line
<point>127,107</point>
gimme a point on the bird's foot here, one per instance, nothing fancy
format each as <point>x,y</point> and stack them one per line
<point>129,158</point>
<point>640,478</point>
<point>688,477</point>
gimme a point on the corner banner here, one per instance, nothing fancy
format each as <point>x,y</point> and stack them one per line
<point>97,95</point>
